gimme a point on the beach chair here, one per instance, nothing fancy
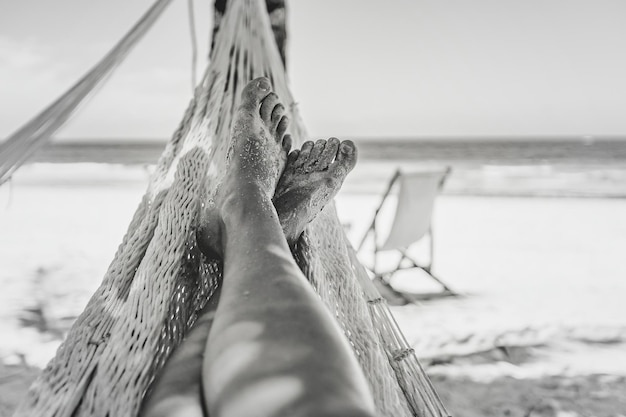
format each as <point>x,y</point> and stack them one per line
<point>411,223</point>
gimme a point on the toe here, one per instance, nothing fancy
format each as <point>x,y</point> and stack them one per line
<point>317,150</point>
<point>277,114</point>
<point>292,157</point>
<point>267,107</point>
<point>287,142</point>
<point>346,159</point>
<point>254,92</point>
<point>305,152</point>
<point>281,129</point>
<point>329,153</point>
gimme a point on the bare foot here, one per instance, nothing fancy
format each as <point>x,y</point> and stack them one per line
<point>259,146</point>
<point>312,177</point>
<point>254,162</point>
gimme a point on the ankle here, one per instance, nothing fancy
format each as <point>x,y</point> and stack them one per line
<point>245,201</point>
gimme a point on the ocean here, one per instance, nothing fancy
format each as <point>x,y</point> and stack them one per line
<point>508,151</point>
<point>553,167</point>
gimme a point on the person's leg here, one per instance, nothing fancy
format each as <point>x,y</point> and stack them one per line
<point>177,391</point>
<point>273,350</point>
<point>311,179</point>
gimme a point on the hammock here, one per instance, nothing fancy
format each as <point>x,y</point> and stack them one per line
<point>158,280</point>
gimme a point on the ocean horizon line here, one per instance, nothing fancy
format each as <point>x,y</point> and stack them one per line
<point>586,138</point>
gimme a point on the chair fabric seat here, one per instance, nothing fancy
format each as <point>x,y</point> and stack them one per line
<point>416,198</point>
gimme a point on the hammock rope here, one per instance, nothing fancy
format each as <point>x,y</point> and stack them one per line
<point>194,43</point>
<point>158,281</point>
<point>18,147</point>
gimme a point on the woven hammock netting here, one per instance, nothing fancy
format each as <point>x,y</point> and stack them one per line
<point>158,280</point>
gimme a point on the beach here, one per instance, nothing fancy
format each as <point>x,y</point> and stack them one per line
<point>540,323</point>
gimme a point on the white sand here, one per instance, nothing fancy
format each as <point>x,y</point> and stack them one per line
<point>535,269</point>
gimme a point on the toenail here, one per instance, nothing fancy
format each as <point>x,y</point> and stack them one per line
<point>263,84</point>
<point>346,148</point>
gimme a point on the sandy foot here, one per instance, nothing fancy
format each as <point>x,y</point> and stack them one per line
<point>312,177</point>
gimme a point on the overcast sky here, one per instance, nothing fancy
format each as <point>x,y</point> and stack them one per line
<point>357,67</point>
